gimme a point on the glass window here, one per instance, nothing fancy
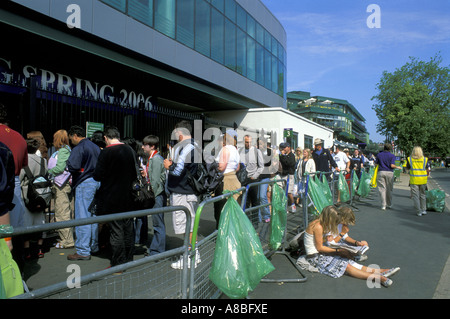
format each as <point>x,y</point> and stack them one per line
<point>141,10</point>
<point>267,40</point>
<point>251,26</point>
<point>185,22</point>
<point>251,59</point>
<point>274,46</point>
<point>165,17</point>
<point>259,34</point>
<point>241,18</point>
<point>259,64</point>
<point>274,74</point>
<point>281,79</point>
<point>219,4</point>
<point>267,70</point>
<point>118,4</point>
<point>230,45</point>
<point>230,10</point>
<point>202,27</point>
<point>217,36</point>
<point>241,52</point>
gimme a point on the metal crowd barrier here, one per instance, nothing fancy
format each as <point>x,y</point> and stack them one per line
<point>149,277</point>
<point>200,285</point>
<point>152,277</point>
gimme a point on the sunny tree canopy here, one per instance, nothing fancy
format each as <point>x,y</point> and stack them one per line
<point>412,106</point>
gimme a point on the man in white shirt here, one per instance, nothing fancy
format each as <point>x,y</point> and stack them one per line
<point>342,160</point>
<point>343,163</point>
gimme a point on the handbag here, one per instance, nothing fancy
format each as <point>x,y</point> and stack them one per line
<point>242,175</point>
<point>142,192</point>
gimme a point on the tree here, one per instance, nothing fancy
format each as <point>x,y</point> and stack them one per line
<point>413,106</point>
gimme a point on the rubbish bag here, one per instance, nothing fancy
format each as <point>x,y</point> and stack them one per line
<point>435,200</point>
<point>11,283</point>
<point>319,199</point>
<point>239,262</point>
<point>373,181</point>
<point>278,218</point>
<point>364,185</point>
<point>326,189</point>
<point>344,194</point>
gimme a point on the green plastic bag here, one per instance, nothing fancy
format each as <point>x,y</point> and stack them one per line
<point>239,262</point>
<point>319,199</point>
<point>11,283</point>
<point>278,218</point>
<point>344,193</point>
<point>325,188</point>
<point>435,200</point>
<point>364,185</point>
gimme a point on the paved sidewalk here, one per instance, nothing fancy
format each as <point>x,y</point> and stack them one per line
<point>420,246</point>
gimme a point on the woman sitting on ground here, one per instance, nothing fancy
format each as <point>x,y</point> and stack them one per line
<point>336,262</point>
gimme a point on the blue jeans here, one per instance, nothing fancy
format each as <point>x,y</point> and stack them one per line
<point>264,213</point>
<point>87,235</point>
<point>17,213</point>
<point>158,244</point>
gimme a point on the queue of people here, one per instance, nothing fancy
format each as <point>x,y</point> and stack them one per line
<point>98,170</point>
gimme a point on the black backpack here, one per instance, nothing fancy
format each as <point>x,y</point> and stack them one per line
<point>206,178</point>
<point>39,191</point>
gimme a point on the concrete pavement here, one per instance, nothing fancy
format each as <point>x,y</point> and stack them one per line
<point>420,246</point>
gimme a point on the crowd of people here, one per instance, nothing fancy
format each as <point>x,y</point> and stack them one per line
<point>92,176</point>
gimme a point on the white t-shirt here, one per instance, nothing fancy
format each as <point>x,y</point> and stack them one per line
<point>233,161</point>
<point>341,160</point>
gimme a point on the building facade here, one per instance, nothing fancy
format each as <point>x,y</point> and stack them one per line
<point>339,115</point>
<point>140,65</point>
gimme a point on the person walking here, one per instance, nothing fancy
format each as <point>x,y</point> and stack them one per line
<point>57,165</point>
<point>81,165</point>
<point>116,171</point>
<point>385,175</point>
<point>156,176</point>
<point>419,170</point>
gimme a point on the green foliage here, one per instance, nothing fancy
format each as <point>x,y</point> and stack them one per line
<point>413,105</point>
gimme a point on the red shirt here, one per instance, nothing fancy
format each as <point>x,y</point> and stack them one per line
<point>18,146</point>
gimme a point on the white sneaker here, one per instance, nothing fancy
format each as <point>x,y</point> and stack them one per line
<point>383,208</point>
<point>387,283</point>
<point>390,272</point>
<point>293,208</point>
<point>424,212</point>
<point>419,214</point>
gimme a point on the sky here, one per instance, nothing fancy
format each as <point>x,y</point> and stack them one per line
<point>332,52</point>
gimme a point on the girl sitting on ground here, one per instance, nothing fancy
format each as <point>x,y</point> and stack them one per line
<point>335,262</point>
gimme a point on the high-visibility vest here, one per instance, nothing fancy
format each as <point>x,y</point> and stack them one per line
<point>418,174</point>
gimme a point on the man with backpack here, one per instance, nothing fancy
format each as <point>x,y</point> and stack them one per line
<point>156,176</point>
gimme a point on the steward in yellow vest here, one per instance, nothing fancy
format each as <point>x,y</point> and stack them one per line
<point>418,170</point>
